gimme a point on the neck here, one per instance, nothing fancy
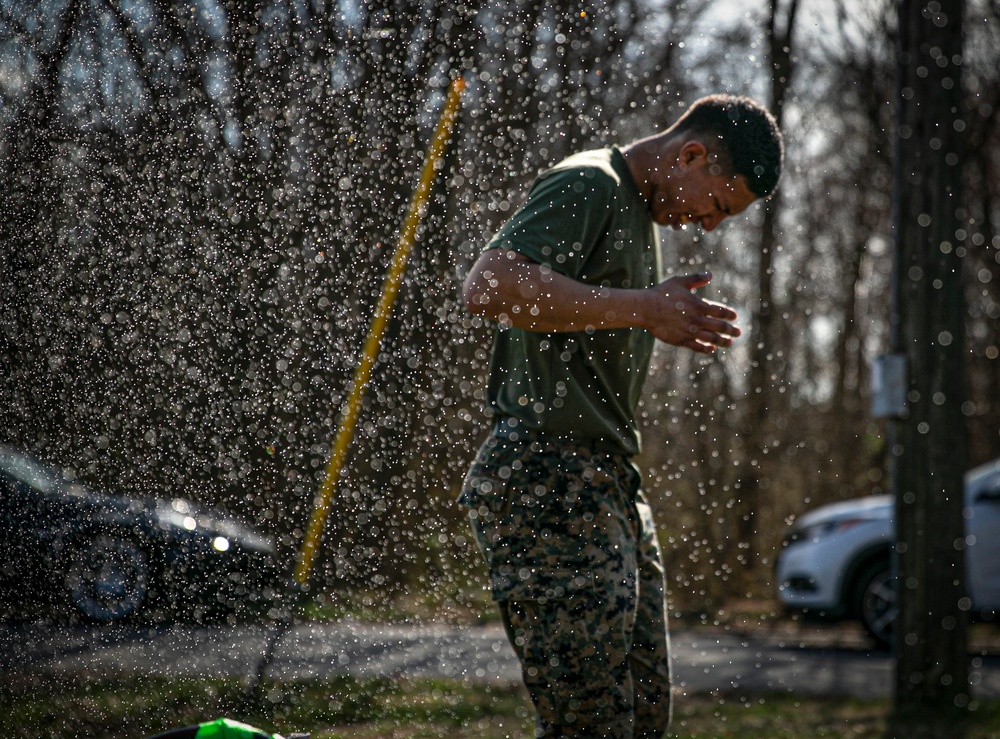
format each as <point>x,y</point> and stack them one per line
<point>649,157</point>
<point>634,162</point>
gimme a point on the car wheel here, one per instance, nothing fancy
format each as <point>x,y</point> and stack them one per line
<point>876,602</point>
<point>107,577</point>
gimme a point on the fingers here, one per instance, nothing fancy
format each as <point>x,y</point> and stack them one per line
<point>697,346</point>
<point>693,282</point>
<point>711,318</point>
<point>689,321</point>
<point>710,342</point>
<point>718,310</point>
<point>705,335</point>
<point>720,328</point>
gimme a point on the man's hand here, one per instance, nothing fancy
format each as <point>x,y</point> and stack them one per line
<point>675,315</point>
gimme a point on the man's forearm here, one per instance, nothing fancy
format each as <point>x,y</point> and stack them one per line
<point>511,289</point>
<point>505,287</point>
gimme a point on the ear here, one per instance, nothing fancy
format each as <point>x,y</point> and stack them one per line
<point>691,153</point>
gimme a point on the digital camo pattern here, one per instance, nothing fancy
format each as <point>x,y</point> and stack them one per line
<point>576,571</point>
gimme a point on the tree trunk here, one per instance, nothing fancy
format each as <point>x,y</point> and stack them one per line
<point>929,453</point>
<point>763,353</point>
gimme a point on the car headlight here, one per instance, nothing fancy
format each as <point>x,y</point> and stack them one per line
<point>242,537</point>
<point>220,533</point>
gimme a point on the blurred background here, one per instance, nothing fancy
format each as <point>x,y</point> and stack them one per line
<point>200,201</point>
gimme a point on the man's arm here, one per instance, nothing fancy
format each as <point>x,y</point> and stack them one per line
<point>509,288</point>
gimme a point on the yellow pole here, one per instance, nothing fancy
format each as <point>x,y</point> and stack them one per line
<point>362,374</point>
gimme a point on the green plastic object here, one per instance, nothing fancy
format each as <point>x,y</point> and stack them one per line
<point>226,728</point>
<point>222,728</point>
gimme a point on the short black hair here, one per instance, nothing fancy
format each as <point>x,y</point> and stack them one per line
<point>752,144</point>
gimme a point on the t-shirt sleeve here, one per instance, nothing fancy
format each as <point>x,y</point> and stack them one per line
<point>563,219</point>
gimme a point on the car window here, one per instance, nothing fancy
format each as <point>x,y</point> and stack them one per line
<point>31,472</point>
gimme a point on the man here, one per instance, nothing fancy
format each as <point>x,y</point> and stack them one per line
<point>573,280</point>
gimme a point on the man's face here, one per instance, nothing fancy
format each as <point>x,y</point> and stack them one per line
<point>695,191</point>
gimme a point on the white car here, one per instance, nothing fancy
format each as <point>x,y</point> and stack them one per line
<point>836,560</point>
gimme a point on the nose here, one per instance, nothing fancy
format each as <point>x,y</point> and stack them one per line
<point>709,223</point>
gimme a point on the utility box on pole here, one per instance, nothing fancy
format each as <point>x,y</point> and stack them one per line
<point>927,442</point>
<point>889,386</point>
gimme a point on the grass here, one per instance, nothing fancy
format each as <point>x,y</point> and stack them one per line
<point>104,706</point>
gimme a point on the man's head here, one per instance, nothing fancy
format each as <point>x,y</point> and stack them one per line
<point>724,153</point>
<point>741,135</point>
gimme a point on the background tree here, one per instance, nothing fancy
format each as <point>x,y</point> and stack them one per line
<point>929,452</point>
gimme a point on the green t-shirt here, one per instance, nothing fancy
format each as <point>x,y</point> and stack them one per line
<point>586,219</point>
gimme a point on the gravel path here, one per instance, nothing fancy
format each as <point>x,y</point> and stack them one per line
<point>704,659</point>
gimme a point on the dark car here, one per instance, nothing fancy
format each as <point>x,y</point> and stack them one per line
<point>111,557</point>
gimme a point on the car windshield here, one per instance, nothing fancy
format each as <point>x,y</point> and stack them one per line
<point>34,473</point>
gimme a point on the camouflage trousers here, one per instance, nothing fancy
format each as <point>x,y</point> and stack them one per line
<point>576,572</point>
